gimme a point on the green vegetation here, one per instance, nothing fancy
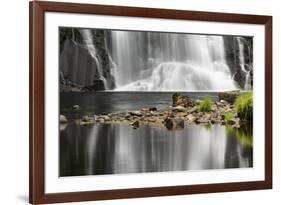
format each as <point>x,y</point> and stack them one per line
<point>228,116</point>
<point>244,138</point>
<point>244,106</point>
<point>206,104</point>
<point>243,134</point>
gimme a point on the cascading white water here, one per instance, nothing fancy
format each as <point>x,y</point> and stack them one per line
<point>88,41</point>
<point>247,85</point>
<point>162,61</point>
<point>127,50</point>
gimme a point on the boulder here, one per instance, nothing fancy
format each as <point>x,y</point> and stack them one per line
<point>229,96</point>
<point>181,100</point>
<point>168,122</point>
<point>174,123</point>
<point>63,119</point>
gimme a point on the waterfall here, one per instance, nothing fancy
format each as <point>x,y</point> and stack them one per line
<point>88,41</point>
<point>152,61</point>
<point>247,85</point>
<point>127,51</point>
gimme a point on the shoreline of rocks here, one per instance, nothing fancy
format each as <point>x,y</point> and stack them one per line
<point>184,110</point>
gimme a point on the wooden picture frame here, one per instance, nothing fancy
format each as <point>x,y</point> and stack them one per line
<point>37,12</point>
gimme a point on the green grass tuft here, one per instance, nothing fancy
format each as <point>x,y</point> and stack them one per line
<point>244,106</point>
<point>206,104</point>
<point>228,116</point>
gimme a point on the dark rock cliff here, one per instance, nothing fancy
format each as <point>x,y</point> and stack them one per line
<point>84,67</point>
<point>233,60</point>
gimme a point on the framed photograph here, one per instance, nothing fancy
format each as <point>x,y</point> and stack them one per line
<point>139,102</point>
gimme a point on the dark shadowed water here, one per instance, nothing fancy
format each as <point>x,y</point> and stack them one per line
<point>115,149</point>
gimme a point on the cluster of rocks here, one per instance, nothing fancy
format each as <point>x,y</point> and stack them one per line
<point>184,111</point>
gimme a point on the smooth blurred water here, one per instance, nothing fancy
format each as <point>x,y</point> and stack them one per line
<point>116,149</point>
<point>153,61</point>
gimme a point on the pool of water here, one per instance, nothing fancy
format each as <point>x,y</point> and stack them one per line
<point>116,149</point>
<point>106,102</point>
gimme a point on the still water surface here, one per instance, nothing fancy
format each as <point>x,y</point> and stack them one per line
<point>116,149</point>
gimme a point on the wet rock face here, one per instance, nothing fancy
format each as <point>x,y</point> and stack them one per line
<point>232,50</point>
<point>84,66</point>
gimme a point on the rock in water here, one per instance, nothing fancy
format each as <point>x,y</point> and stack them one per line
<point>146,109</point>
<point>63,119</point>
<point>152,109</point>
<point>229,96</point>
<point>135,124</point>
<point>168,122</point>
<point>76,107</point>
<point>174,123</point>
<point>181,100</point>
<point>136,113</point>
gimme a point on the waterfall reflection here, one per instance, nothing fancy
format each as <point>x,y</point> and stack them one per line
<point>108,149</point>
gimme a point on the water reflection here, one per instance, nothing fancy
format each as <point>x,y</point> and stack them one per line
<point>109,149</point>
